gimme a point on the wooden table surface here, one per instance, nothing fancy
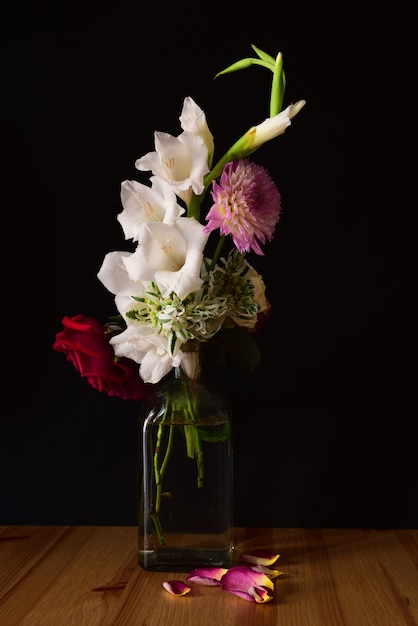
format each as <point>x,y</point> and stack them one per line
<point>88,576</point>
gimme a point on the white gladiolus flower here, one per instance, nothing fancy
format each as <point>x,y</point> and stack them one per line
<point>170,255</point>
<point>114,276</point>
<point>142,203</point>
<point>113,273</point>
<point>193,119</point>
<point>274,126</point>
<point>182,161</point>
<point>144,346</point>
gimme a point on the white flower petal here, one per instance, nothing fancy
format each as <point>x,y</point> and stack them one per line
<point>274,126</point>
<point>142,203</point>
<point>181,161</point>
<point>160,246</point>
<point>193,119</point>
<point>113,273</point>
<point>155,366</point>
<point>184,281</point>
<point>150,351</point>
<point>170,255</point>
<point>187,278</point>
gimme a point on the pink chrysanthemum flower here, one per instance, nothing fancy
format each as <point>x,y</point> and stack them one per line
<point>247,205</point>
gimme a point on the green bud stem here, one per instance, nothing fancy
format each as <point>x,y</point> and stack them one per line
<point>277,87</point>
<point>263,55</point>
<point>242,147</point>
<point>244,63</point>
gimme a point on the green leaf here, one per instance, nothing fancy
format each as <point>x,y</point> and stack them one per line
<point>263,55</point>
<point>244,63</point>
<point>209,436</point>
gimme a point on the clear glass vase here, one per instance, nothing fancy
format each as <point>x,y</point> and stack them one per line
<point>185,480</point>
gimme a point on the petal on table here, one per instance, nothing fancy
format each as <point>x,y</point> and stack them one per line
<point>260,557</point>
<point>268,571</point>
<point>210,576</point>
<point>248,584</point>
<point>256,594</point>
<point>260,594</point>
<point>176,587</point>
<point>241,594</point>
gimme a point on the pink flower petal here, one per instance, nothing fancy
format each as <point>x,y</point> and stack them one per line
<point>210,576</point>
<point>260,594</point>
<point>176,587</point>
<point>244,582</point>
<point>260,557</point>
<point>242,577</point>
<point>268,571</point>
<point>255,594</point>
<point>241,594</point>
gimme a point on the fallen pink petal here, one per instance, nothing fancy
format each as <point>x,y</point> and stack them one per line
<point>209,576</point>
<point>268,571</point>
<point>176,587</point>
<point>260,557</point>
<point>260,594</point>
<point>244,582</point>
<point>255,594</point>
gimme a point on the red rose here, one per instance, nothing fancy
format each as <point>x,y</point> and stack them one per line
<point>86,346</point>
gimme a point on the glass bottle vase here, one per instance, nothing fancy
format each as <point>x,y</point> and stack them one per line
<point>185,478</point>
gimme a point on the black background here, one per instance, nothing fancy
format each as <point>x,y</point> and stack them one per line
<point>325,429</point>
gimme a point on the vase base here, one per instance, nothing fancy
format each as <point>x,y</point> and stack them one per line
<point>183,560</point>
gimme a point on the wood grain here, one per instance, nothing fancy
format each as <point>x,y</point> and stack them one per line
<point>88,575</point>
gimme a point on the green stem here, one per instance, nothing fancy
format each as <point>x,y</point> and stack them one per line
<point>241,148</point>
<point>277,87</point>
<point>158,528</point>
<point>199,456</point>
<point>159,473</point>
<point>217,252</point>
<point>197,445</point>
<point>188,406</point>
<point>188,433</point>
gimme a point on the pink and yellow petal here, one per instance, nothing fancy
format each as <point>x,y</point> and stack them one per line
<point>260,594</point>
<point>254,594</point>
<point>268,571</point>
<point>260,557</point>
<point>242,578</point>
<point>210,576</point>
<point>241,594</point>
<point>176,587</point>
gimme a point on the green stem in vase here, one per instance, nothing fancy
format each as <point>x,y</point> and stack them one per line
<point>199,456</point>
<point>158,528</point>
<point>159,472</point>
<point>193,442</point>
<point>186,405</point>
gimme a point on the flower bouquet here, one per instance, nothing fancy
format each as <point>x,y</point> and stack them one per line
<point>179,290</point>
